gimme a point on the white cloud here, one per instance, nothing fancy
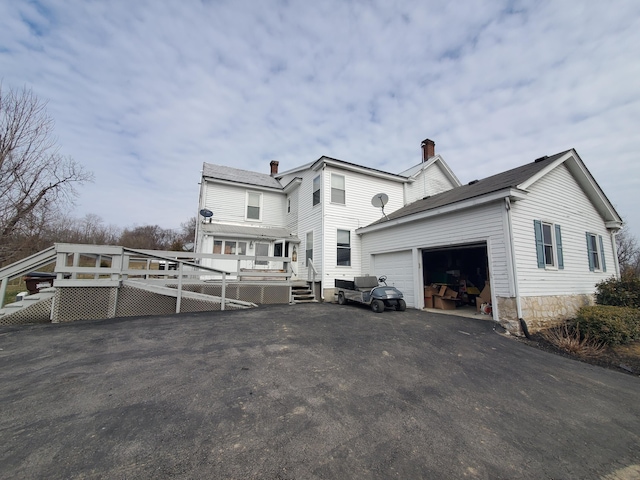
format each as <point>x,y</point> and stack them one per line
<point>144,92</point>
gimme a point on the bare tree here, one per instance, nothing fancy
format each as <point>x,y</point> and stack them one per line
<point>628,254</point>
<point>149,237</point>
<point>34,177</point>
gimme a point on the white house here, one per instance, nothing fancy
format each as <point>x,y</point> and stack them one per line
<point>541,235</point>
<point>310,213</point>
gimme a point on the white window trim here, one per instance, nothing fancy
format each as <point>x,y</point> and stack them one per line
<point>313,191</point>
<point>223,245</point>
<point>599,252</point>
<point>246,207</point>
<point>554,246</point>
<point>350,248</point>
<point>344,181</point>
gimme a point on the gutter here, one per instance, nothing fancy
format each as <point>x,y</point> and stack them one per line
<point>514,194</point>
<point>614,247</point>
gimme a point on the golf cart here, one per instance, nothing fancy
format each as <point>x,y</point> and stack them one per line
<point>368,291</point>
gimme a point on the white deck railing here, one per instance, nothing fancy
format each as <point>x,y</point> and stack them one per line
<point>79,265</point>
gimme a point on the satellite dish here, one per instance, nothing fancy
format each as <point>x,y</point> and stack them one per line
<point>206,213</point>
<point>379,200</point>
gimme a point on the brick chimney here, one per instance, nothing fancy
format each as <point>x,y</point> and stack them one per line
<point>274,167</point>
<point>428,149</point>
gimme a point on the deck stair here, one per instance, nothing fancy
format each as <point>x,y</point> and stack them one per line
<point>302,293</point>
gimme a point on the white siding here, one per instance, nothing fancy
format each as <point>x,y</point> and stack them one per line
<point>558,199</point>
<point>292,216</point>
<point>228,204</point>
<point>355,213</point>
<point>309,219</point>
<point>431,181</point>
<point>481,224</point>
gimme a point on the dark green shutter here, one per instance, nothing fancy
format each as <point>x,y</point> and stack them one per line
<point>590,252</point>
<point>559,247</point>
<point>537,227</point>
<point>604,264</point>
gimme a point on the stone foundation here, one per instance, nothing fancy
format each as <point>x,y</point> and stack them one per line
<point>540,312</point>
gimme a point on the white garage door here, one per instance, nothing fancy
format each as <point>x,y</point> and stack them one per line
<point>398,267</point>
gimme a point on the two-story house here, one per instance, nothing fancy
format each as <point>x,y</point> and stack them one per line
<point>540,235</point>
<point>309,214</point>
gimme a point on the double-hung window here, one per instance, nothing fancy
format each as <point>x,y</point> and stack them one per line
<point>316,190</point>
<point>254,204</point>
<point>548,245</point>
<point>344,248</point>
<point>595,250</point>
<point>337,189</point>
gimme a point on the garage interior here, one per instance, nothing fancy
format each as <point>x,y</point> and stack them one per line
<point>464,269</point>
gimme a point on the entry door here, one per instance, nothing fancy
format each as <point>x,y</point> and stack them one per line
<point>262,250</point>
<point>398,268</point>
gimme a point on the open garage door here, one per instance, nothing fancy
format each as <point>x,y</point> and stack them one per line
<point>398,268</point>
<point>463,268</point>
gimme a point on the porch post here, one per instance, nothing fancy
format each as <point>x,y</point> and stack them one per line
<point>223,294</point>
<point>179,297</point>
<point>3,290</point>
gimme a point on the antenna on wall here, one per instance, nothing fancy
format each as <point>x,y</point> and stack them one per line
<point>379,200</point>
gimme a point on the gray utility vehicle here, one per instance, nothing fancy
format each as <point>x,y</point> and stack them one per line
<point>368,291</point>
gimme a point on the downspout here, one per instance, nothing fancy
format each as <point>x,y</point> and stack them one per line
<point>507,204</point>
<point>324,199</point>
<point>196,242</point>
<point>614,248</point>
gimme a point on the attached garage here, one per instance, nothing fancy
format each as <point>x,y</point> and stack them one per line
<point>398,268</point>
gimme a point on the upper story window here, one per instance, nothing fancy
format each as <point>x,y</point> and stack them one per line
<point>548,244</point>
<point>337,189</point>
<point>344,248</point>
<point>254,206</point>
<point>316,190</point>
<point>288,205</point>
<point>595,250</point>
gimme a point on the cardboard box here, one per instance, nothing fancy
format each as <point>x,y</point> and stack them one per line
<point>446,292</point>
<point>428,302</point>
<point>444,303</point>
<point>430,291</point>
<point>485,295</point>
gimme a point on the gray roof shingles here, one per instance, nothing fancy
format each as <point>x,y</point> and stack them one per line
<point>237,175</point>
<point>509,179</point>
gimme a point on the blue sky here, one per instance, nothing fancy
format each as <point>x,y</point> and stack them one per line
<point>143,92</point>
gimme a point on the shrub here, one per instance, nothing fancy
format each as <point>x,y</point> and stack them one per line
<point>609,324</point>
<point>620,293</point>
<point>569,339</point>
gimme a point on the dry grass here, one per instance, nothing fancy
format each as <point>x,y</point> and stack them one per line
<point>570,340</point>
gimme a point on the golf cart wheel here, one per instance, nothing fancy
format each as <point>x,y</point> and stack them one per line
<point>377,306</point>
<point>341,299</point>
<point>401,306</point>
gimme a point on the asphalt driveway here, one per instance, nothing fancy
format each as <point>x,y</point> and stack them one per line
<point>314,391</point>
